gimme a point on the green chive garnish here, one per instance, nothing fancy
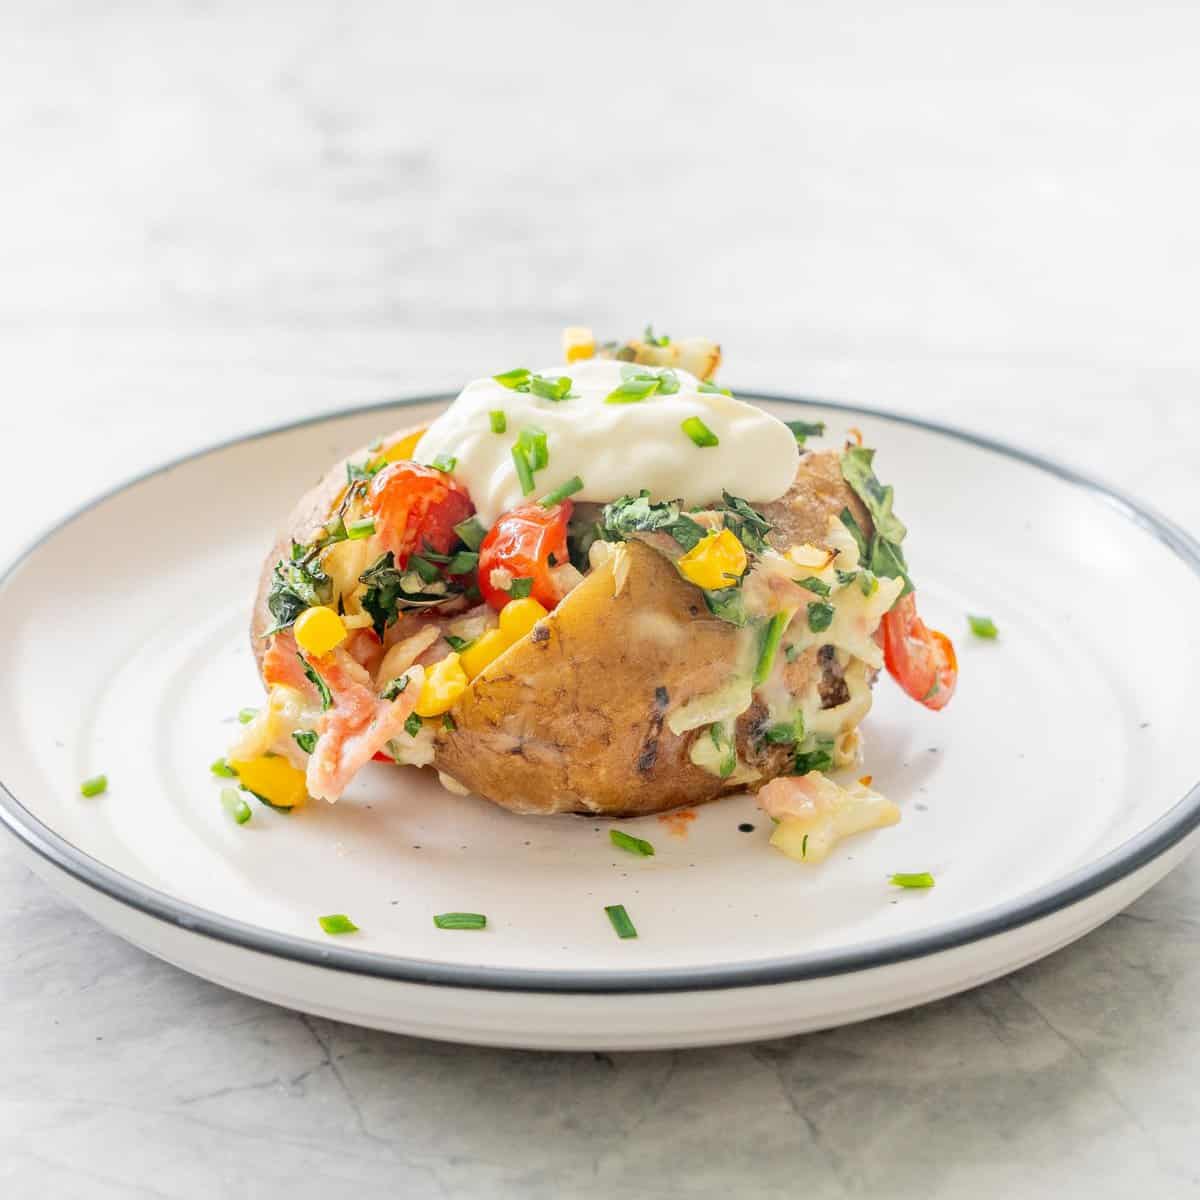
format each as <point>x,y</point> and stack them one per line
<point>620,920</point>
<point>705,386</point>
<point>524,471</point>
<point>95,786</point>
<point>769,647</point>
<point>472,532</point>
<point>462,562</point>
<point>449,723</point>
<point>246,715</point>
<point>234,805</point>
<point>498,419</point>
<point>222,768</point>
<point>514,379</point>
<point>520,588</point>
<point>919,879</point>
<point>626,841</point>
<point>394,688</point>
<point>306,739</point>
<point>428,571</point>
<point>550,387</point>
<point>560,493</point>
<point>357,530</point>
<point>457,920</point>
<point>983,627</point>
<point>699,432</point>
<point>532,441</point>
<point>337,923</point>
<point>444,462</point>
<point>632,391</point>
<point>805,429</point>
<point>820,616</point>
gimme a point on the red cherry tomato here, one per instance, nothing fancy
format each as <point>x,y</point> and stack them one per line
<point>921,660</point>
<point>413,505</point>
<point>521,543</point>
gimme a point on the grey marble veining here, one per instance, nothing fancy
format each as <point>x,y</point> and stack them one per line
<point>219,217</point>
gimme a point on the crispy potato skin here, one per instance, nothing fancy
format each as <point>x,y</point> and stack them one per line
<point>572,718</point>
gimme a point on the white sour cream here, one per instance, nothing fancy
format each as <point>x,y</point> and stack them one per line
<point>616,449</point>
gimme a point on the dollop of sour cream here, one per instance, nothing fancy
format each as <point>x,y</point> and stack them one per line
<point>615,449</point>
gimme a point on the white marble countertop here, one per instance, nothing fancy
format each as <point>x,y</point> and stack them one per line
<point>217,218</point>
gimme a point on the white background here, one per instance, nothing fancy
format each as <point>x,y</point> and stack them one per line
<point>218,218</point>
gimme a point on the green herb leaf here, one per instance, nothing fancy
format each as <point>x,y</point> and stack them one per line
<point>791,652</point>
<point>222,769</point>
<point>812,584</point>
<point>727,603</point>
<point>769,647</point>
<point>802,430</point>
<point>635,845</point>
<point>234,805</point>
<point>917,879</point>
<point>315,679</point>
<point>820,615</point>
<point>387,591</point>
<point>632,391</point>
<point>462,563</point>
<point>551,387</point>
<point>635,514</point>
<point>668,382</point>
<point>517,379</point>
<point>560,493</point>
<point>524,470</point>
<point>650,340</point>
<point>983,627</point>
<point>357,530</point>
<point>472,532</point>
<point>856,532</point>
<point>428,571</point>
<point>394,688</point>
<point>97,785</point>
<point>445,463</point>
<point>498,420</point>
<point>246,715</point>
<point>460,920</point>
<point>458,644</point>
<point>306,739</point>
<point>520,588</point>
<point>858,471</point>
<point>747,524</point>
<point>413,725</point>
<point>296,586</point>
<point>700,433</point>
<point>449,723</point>
<point>337,923</point>
<point>887,559</point>
<point>705,386</point>
<point>620,921</point>
<point>845,577</point>
<point>816,754</point>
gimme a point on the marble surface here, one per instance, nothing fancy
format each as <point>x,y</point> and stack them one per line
<point>217,217</point>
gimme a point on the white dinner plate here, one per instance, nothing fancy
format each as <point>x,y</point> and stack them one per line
<point>1057,787</point>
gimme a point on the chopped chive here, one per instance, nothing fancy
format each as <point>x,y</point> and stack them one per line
<point>514,379</point>
<point>460,920</point>
<point>668,382</point>
<point>97,785</point>
<point>337,923</point>
<point>805,429</point>
<point>631,391</point>
<point>551,387</point>
<point>306,739</point>
<point>413,725</point>
<point>222,768</point>
<point>705,386</point>
<point>459,644</point>
<point>533,440</point>
<point>234,805</point>
<point>472,532</point>
<point>445,463</point>
<point>699,432</point>
<point>246,715</point>
<point>626,841</point>
<point>815,585</point>
<point>560,493</point>
<point>449,723</point>
<point>428,571</point>
<point>462,562</point>
<point>983,627</point>
<point>394,688</point>
<point>769,647</point>
<point>519,589</point>
<point>804,847</point>
<point>620,920</point>
<point>919,879</point>
<point>357,530</point>
<point>820,616</point>
<point>524,472</point>
<point>650,340</point>
<point>498,420</point>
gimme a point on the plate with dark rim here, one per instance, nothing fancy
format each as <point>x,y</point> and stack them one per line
<point>1059,785</point>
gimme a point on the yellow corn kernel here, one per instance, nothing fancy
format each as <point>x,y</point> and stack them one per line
<point>272,778</point>
<point>482,651</point>
<point>518,617</point>
<point>578,342</point>
<point>716,561</point>
<point>405,448</point>
<point>319,630</point>
<point>444,682</point>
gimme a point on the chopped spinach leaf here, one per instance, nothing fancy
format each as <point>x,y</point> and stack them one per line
<point>413,725</point>
<point>306,739</point>
<point>812,584</point>
<point>802,430</point>
<point>315,679</point>
<point>820,616</point>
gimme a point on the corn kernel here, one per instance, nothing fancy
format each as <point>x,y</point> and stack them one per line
<point>578,342</point>
<point>716,561</point>
<point>444,683</point>
<point>404,449</point>
<point>518,617</point>
<point>482,651</point>
<point>319,630</point>
<point>272,778</point>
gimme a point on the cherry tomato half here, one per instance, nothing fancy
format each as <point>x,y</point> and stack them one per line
<point>921,660</point>
<point>521,543</point>
<point>414,505</point>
